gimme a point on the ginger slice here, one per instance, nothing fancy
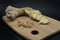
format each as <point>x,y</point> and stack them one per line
<point>23,25</point>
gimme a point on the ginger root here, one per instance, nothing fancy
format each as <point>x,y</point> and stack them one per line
<point>13,12</point>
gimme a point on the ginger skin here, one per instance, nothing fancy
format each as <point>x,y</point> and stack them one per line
<point>13,12</point>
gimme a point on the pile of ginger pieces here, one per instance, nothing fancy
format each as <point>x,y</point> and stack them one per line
<point>13,12</point>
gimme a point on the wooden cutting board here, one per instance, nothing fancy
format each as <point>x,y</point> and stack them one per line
<point>35,31</point>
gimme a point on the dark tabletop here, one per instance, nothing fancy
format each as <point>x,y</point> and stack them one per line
<point>50,8</point>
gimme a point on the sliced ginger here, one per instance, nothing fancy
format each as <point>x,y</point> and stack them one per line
<point>36,14</point>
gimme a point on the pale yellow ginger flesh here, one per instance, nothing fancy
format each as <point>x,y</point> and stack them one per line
<point>36,14</point>
<point>13,12</point>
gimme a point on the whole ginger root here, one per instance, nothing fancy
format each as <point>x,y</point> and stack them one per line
<point>13,12</point>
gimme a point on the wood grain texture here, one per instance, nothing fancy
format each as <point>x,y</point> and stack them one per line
<point>44,30</point>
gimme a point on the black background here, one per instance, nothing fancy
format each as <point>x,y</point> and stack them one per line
<point>50,8</point>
